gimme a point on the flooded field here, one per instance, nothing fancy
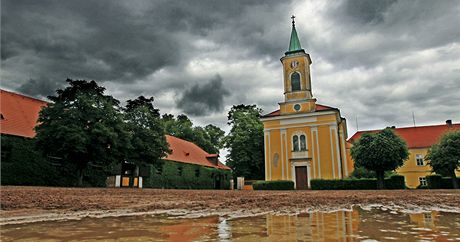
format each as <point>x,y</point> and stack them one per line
<point>353,225</point>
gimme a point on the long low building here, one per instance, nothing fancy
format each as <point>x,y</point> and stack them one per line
<point>418,139</point>
<point>187,166</point>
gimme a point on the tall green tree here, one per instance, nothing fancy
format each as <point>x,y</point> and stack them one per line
<point>209,138</point>
<point>245,142</point>
<point>148,142</point>
<point>83,126</point>
<point>380,152</point>
<point>444,157</point>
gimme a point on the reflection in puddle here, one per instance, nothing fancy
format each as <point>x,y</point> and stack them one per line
<point>355,225</point>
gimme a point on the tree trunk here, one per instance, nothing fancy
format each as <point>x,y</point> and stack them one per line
<point>80,177</point>
<point>380,179</point>
<point>454,180</point>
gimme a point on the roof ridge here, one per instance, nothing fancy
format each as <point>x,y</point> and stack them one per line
<point>22,95</point>
<point>184,140</point>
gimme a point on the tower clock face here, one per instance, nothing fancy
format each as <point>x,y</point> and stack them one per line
<point>294,64</point>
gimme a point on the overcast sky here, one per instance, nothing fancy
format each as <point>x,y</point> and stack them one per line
<point>378,61</point>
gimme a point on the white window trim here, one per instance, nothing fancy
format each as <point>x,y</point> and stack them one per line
<point>424,183</point>
<point>419,156</point>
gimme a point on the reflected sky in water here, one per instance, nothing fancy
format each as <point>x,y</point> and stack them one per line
<point>355,225</point>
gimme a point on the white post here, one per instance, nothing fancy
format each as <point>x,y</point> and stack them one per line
<point>240,183</point>
<point>117,180</point>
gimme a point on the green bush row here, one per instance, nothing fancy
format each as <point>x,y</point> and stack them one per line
<point>273,185</point>
<point>394,182</point>
<point>439,182</point>
<point>186,176</point>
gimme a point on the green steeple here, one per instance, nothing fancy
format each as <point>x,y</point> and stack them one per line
<point>294,44</point>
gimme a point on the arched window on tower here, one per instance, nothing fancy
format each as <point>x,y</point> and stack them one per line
<point>295,142</point>
<point>303,143</point>
<point>295,82</point>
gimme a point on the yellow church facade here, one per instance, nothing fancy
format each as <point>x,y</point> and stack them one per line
<point>303,140</point>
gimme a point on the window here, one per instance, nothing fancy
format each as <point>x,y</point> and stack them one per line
<point>419,160</point>
<point>422,181</point>
<point>295,82</point>
<point>197,172</point>
<point>303,143</point>
<point>295,142</point>
<point>299,143</point>
<point>179,170</point>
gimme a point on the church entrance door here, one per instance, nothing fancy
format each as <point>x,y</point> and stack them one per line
<point>301,177</point>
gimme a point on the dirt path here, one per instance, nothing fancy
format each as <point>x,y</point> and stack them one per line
<point>25,202</point>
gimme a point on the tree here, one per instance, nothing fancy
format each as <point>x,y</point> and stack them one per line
<point>83,126</point>
<point>208,138</point>
<point>444,157</point>
<point>246,142</point>
<point>380,152</point>
<point>148,142</point>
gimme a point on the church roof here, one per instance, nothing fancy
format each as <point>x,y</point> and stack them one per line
<point>416,137</point>
<point>19,114</point>
<point>319,107</point>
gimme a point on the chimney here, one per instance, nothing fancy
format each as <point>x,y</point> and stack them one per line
<point>449,122</point>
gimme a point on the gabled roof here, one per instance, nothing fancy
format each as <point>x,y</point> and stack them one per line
<point>319,107</point>
<point>416,137</point>
<point>188,152</point>
<point>19,114</point>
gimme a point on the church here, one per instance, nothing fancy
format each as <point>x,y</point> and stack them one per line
<point>303,139</point>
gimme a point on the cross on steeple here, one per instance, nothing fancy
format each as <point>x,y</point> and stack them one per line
<point>293,21</point>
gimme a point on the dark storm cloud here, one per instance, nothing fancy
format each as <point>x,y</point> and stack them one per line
<point>38,88</point>
<point>121,41</point>
<point>366,11</point>
<point>378,60</point>
<point>365,32</point>
<point>204,99</point>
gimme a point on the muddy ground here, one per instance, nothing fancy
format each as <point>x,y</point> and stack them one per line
<point>20,203</point>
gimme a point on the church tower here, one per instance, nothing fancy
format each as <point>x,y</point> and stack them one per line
<point>303,140</point>
<point>298,97</point>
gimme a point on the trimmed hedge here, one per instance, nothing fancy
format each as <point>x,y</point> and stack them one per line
<point>273,185</point>
<point>22,165</point>
<point>394,182</point>
<point>186,176</point>
<point>439,182</point>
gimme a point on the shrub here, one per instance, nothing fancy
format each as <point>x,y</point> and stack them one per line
<point>344,184</point>
<point>446,182</point>
<point>168,177</point>
<point>434,181</point>
<point>439,182</point>
<point>394,182</point>
<point>273,185</point>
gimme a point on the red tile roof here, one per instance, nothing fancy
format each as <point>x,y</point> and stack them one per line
<point>19,114</point>
<point>416,137</point>
<point>319,107</point>
<point>188,152</point>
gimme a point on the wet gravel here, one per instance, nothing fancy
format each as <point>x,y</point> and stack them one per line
<point>21,201</point>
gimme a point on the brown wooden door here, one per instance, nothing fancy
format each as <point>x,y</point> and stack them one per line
<point>301,177</point>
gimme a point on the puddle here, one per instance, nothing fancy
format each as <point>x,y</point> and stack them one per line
<point>352,225</point>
